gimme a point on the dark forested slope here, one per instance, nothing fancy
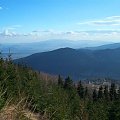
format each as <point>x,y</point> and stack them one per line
<point>77,63</point>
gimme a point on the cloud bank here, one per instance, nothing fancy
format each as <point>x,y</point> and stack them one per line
<point>108,21</point>
<point>8,36</point>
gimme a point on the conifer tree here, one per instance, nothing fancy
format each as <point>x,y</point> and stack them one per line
<point>114,111</point>
<point>80,90</point>
<point>106,93</point>
<point>68,83</point>
<point>94,95</point>
<point>100,92</point>
<point>113,94</point>
<point>86,92</point>
<point>118,94</point>
<point>60,81</point>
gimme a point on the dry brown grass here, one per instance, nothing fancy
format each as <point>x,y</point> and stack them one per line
<point>18,112</point>
<point>13,113</point>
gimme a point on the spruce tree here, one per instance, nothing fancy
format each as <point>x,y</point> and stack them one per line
<point>86,92</point>
<point>118,94</point>
<point>114,111</point>
<point>94,95</point>
<point>113,94</point>
<point>80,90</point>
<point>68,83</point>
<point>60,81</point>
<point>106,93</point>
<point>100,92</point>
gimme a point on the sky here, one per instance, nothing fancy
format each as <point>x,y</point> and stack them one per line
<point>39,20</point>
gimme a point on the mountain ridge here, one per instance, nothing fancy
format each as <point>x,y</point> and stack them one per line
<point>25,49</point>
<point>77,63</point>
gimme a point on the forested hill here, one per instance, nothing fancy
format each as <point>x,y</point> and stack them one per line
<point>82,63</point>
<point>29,95</point>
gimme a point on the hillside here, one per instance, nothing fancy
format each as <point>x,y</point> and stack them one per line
<point>29,95</point>
<point>77,63</point>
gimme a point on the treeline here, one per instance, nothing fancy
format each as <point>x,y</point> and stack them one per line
<point>103,103</point>
<point>104,92</point>
<point>56,100</point>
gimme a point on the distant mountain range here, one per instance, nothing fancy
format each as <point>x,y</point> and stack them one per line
<point>77,63</point>
<point>25,49</point>
<point>106,46</point>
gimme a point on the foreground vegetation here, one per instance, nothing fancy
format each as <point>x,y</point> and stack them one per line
<point>22,89</point>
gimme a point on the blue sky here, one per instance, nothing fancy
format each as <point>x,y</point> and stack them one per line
<point>37,20</point>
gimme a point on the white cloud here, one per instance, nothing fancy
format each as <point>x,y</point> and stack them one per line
<point>1,8</point>
<point>9,35</point>
<point>9,31</point>
<point>108,21</point>
<point>12,27</point>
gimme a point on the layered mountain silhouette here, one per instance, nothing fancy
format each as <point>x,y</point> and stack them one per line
<point>106,46</point>
<point>82,63</point>
<point>20,50</point>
